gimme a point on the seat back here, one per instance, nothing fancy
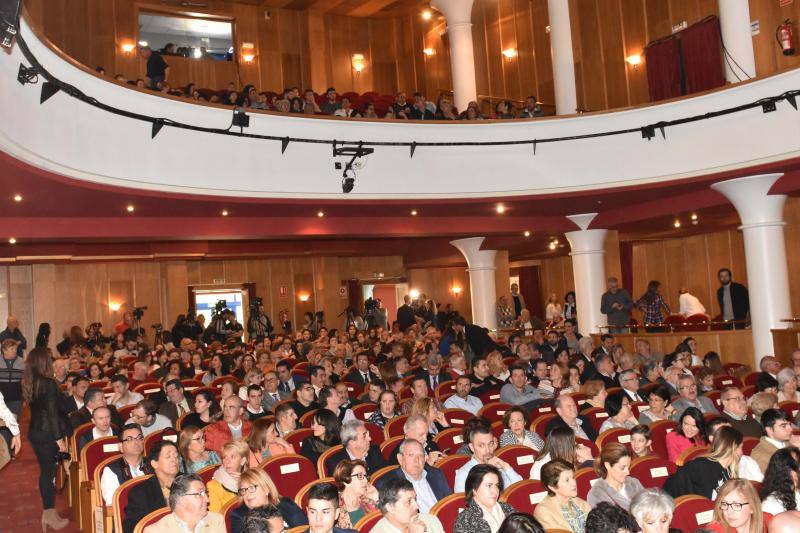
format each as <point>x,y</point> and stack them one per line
<point>494,411</point>
<point>77,433</point>
<point>227,509</point>
<point>390,445</point>
<point>307,419</point>
<point>457,417</point>
<point>449,465</point>
<point>585,478</point>
<point>790,408</point>
<point>525,494</point>
<point>748,444</point>
<point>368,521</point>
<point>394,427</point>
<point>322,471</point>
<point>364,410</point>
<point>378,474</point>
<point>151,519</point>
<point>148,389</point>
<point>716,397</point>
<point>519,457</point>
<point>448,508</point>
<point>751,378</point>
<point>290,471</point>
<point>658,435</point>
<point>95,452</point>
<point>121,499</point>
<point>652,470</point>
<point>301,498</point>
<point>539,424</point>
<point>722,382</point>
<point>296,437</point>
<point>692,512</point>
<point>207,472</point>
<point>449,439</point>
<point>620,435</point>
<point>447,388</point>
<point>376,434</point>
<point>693,452</point>
<point>162,434</point>
<point>490,396</point>
<point>596,417</point>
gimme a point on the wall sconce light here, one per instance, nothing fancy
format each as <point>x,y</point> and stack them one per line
<point>429,52</point>
<point>414,293</point>
<point>456,290</point>
<point>248,52</point>
<point>359,63</point>
<point>128,48</point>
<point>510,53</point>
<point>634,60</point>
<point>427,15</point>
<point>303,296</point>
<point>114,306</point>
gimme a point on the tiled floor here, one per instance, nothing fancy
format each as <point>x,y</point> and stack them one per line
<point>20,503</point>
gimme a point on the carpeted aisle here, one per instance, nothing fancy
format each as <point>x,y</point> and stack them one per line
<point>20,504</point>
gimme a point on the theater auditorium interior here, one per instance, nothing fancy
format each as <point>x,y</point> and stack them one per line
<point>399,266</point>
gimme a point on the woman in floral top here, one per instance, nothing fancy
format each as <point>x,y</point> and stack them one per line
<point>356,496</point>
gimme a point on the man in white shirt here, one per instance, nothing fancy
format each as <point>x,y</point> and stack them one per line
<point>101,420</point>
<point>397,502</point>
<point>129,466</point>
<point>462,399</point>
<point>11,423</point>
<point>122,394</point>
<point>690,304</point>
<point>285,419</point>
<point>483,445</point>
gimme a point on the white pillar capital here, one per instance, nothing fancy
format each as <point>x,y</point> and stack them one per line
<point>582,221</point>
<point>483,291</point>
<point>750,196</point>
<point>454,11</point>
<point>588,267</point>
<point>761,214</point>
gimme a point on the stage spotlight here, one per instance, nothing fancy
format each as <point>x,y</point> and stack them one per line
<point>240,118</point>
<point>348,180</point>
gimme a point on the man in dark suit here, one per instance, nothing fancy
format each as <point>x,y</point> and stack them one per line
<point>477,337</point>
<point>93,398</point>
<point>148,496</point>
<point>429,482</point>
<point>567,411</point>
<point>406,316</point>
<point>356,441</point>
<point>604,364</point>
<point>416,428</point>
<point>177,404</point>
<point>101,418</point>
<point>272,394</point>
<point>305,401</point>
<point>733,299</point>
<point>434,374</point>
<point>361,373</point>
<point>75,400</point>
<point>288,382</point>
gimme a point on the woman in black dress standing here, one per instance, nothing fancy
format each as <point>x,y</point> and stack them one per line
<point>49,428</point>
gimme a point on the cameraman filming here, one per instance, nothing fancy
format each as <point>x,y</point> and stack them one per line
<point>94,335</point>
<point>258,323</point>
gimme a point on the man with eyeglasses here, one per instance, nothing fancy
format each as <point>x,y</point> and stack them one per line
<point>129,466</point>
<point>272,394</point>
<point>629,382</point>
<point>734,410</point>
<point>153,493</point>
<point>687,388</point>
<point>778,429</point>
<point>188,500</point>
<point>145,415</point>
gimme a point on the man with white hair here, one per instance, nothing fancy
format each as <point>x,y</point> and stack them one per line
<point>428,481</point>
<point>232,426</point>
<point>188,501</point>
<point>356,441</point>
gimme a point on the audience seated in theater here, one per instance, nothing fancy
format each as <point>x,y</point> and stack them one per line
<point>652,509</point>
<point>263,519</point>
<point>323,509</point>
<point>419,390</point>
<point>306,399</point>
<point>386,409</point>
<point>778,435</point>
<point>687,388</point>
<point>561,444</point>
<point>326,428</point>
<point>629,381</point>
<point>177,404</point>
<point>206,410</point>
<point>194,456</point>
<point>737,507</point>
<point>131,465</point>
<point>272,395</point>
<point>362,373</point>
<point>445,110</point>
<point>285,419</point>
<point>152,494</point>
<point>257,489</point>
<point>462,399</point>
<point>641,444</point>
<point>93,398</point>
<point>330,400</point>
<point>615,484</point>
<point>428,481</point>
<point>734,410</point>
<point>780,488</point>
<point>430,409</point>
<point>264,442</point>
<point>330,105</point>
<point>357,496</point>
<point>561,508</point>
<point>691,431</point>
<point>484,513</point>
<point>433,373</point>
<point>705,475</point>
<point>101,427</point>
<point>766,383</point>
<point>232,426</point>
<point>596,394</point>
<point>568,416</point>
<point>123,396</point>
<point>761,401</point>
<point>483,445</point>
<point>787,386</point>
<point>519,392</point>
<point>188,501</point>
<point>619,411</point>
<point>356,441</point>
<point>609,518</point>
<point>503,110</point>
<point>515,420</point>
<point>416,428</point>
<point>224,486</point>
<point>670,376</point>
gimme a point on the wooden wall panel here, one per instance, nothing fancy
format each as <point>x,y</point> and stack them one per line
<point>437,283</point>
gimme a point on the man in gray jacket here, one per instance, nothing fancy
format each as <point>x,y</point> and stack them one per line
<point>616,304</point>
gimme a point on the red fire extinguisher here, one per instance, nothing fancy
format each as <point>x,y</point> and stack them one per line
<point>785,37</point>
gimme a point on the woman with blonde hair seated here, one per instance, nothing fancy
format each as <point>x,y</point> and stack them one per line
<point>357,496</point>
<point>561,508</point>
<point>254,376</point>
<point>427,408</point>
<point>224,486</point>
<point>596,394</point>
<point>497,367</point>
<point>706,474</point>
<point>257,489</point>
<point>192,448</point>
<point>738,508</point>
<point>264,442</point>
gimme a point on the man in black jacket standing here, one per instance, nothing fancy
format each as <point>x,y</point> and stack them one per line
<point>406,316</point>
<point>733,300</point>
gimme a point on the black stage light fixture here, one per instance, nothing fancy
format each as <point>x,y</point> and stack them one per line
<point>348,182</point>
<point>9,17</point>
<point>349,175</point>
<point>240,118</point>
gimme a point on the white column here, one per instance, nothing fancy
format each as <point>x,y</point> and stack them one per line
<point>481,267</point>
<point>734,21</point>
<point>458,14</point>
<point>765,254</point>
<point>589,270</point>
<point>563,62</point>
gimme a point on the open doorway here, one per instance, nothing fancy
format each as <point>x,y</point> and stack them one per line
<point>206,300</point>
<point>387,294</point>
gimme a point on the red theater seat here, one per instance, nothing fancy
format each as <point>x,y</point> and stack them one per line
<point>367,522</point>
<point>652,470</point>
<point>585,478</point>
<point>519,457</point>
<point>495,411</point>
<point>121,499</point>
<point>448,508</point>
<point>525,494</point>
<point>151,519</point>
<point>448,465</point>
<point>289,471</point>
<point>449,440</point>
<point>692,512</point>
<point>457,417</point>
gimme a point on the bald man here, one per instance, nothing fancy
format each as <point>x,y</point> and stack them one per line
<point>12,332</point>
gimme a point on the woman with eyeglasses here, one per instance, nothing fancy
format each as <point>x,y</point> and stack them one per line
<point>206,411</point>
<point>357,496</point>
<point>224,486</point>
<point>192,447</point>
<point>660,408</point>
<point>257,489</point>
<point>738,509</point>
<point>691,432</point>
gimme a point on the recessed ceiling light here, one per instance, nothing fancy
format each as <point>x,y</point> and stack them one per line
<point>17,197</point>
<point>320,214</point>
<point>527,233</point>
<point>130,208</point>
<point>224,212</point>
<point>413,212</point>
<point>12,240</point>
<point>694,216</point>
<point>500,209</point>
<point>677,224</point>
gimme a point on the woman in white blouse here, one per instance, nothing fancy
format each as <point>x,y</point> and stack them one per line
<point>553,310</point>
<point>787,386</point>
<point>11,422</point>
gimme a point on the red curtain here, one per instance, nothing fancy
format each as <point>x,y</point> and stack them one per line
<point>626,265</point>
<point>529,287</point>
<point>702,56</point>
<point>663,60</point>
